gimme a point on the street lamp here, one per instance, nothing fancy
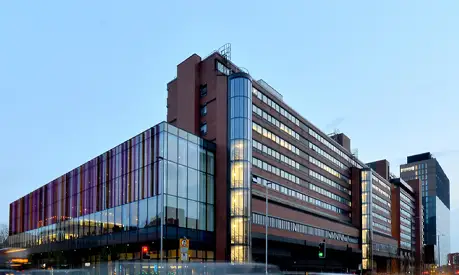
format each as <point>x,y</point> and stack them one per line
<point>266,227</point>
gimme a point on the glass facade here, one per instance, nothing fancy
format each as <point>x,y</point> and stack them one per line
<point>240,143</point>
<point>367,224</point>
<point>435,201</point>
<point>122,195</point>
<point>443,230</point>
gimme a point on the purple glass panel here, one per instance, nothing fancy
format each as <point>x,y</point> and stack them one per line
<point>13,217</point>
<point>26,212</point>
<point>10,224</point>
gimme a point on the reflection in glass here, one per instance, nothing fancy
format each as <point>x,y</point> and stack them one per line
<point>134,218</point>
<point>143,213</point>
<point>202,187</point>
<point>182,205</point>
<point>210,217</point>
<point>110,220</point>
<point>172,147</point>
<point>192,184</point>
<point>171,210</point>
<point>202,159</point>
<point>125,215</point>
<point>171,178</point>
<point>192,215</point>
<point>210,189</point>
<point>182,181</point>
<point>118,226</point>
<point>210,162</point>
<point>182,151</point>
<point>201,216</point>
<point>193,155</point>
<point>152,218</point>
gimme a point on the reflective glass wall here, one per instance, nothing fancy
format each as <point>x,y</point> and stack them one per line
<point>119,194</point>
<point>240,142</point>
<point>367,225</point>
<point>443,231</point>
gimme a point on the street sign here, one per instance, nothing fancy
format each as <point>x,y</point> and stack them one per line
<point>184,257</point>
<point>184,247</point>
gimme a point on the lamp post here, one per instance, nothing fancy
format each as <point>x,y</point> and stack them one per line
<point>266,227</point>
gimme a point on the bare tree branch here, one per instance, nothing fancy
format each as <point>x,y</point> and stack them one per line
<point>3,234</point>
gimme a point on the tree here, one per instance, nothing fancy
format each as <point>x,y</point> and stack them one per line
<point>3,235</point>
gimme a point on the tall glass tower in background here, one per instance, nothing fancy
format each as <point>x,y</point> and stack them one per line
<point>435,200</point>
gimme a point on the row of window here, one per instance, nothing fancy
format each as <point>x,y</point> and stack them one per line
<point>275,138</point>
<point>382,183</point>
<point>385,248</point>
<point>381,217</point>
<point>325,180</point>
<point>188,183</point>
<point>382,227</point>
<point>406,228</point>
<point>272,169</point>
<point>293,193</point>
<point>282,224</point>
<point>267,150</point>
<point>128,217</point>
<point>381,200</point>
<point>296,121</point>
<point>380,191</point>
<point>327,168</point>
<point>328,194</point>
<point>405,212</point>
<point>406,236</point>
<point>385,211</point>
<point>406,220</point>
<point>334,148</point>
<point>223,69</point>
<point>275,122</point>
<point>407,205</point>
<point>321,152</point>
<point>405,198</point>
<point>406,245</point>
<point>276,106</point>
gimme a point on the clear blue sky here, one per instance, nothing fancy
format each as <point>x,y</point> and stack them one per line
<point>79,77</point>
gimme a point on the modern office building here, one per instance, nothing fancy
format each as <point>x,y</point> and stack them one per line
<point>276,177</point>
<point>435,200</point>
<point>407,223</point>
<point>309,184</point>
<point>114,204</point>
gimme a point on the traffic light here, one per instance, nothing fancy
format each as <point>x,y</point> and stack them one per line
<point>145,252</point>
<point>322,250</point>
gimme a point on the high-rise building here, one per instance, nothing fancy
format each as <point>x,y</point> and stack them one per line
<point>435,200</point>
<point>278,180</point>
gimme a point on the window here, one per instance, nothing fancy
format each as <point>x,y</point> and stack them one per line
<point>262,131</point>
<point>204,110</point>
<point>293,226</point>
<point>274,121</point>
<point>203,90</point>
<point>204,129</point>
<point>298,195</point>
